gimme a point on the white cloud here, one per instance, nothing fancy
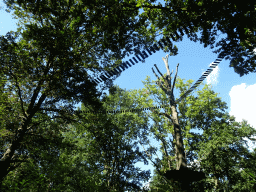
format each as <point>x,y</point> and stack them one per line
<point>242,104</point>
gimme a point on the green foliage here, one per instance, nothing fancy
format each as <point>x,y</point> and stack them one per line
<point>43,75</point>
<point>115,137</point>
<point>106,150</point>
<point>104,154</point>
<point>45,69</point>
<point>208,17</point>
<point>219,149</point>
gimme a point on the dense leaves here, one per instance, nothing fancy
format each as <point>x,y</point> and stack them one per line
<point>114,138</point>
<point>48,65</point>
<point>111,25</point>
<point>233,18</point>
<point>106,151</point>
<point>221,148</point>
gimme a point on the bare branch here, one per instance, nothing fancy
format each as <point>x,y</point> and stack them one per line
<point>158,82</point>
<point>158,71</point>
<point>166,64</point>
<point>175,78</point>
<point>155,74</point>
<point>171,74</point>
<point>165,80</point>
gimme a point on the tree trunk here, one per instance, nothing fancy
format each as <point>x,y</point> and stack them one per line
<point>8,155</point>
<point>180,154</point>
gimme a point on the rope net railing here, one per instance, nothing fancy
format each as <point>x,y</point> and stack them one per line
<point>123,111</point>
<point>201,79</point>
<point>138,57</point>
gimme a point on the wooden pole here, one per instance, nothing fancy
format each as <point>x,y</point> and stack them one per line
<point>168,87</point>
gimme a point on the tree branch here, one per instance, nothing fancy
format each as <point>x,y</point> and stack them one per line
<point>19,93</point>
<point>39,86</point>
<point>171,73</point>
<point>166,64</point>
<point>168,77</point>
<point>159,71</point>
<point>156,166</point>
<point>158,82</point>
<point>155,74</point>
<point>39,103</point>
<point>174,78</point>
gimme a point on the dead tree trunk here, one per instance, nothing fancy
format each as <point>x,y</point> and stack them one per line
<point>168,87</point>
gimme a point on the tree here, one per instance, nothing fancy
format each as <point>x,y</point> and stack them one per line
<point>168,87</point>
<point>219,149</point>
<point>113,141</point>
<point>50,75</point>
<point>106,152</point>
<point>174,17</point>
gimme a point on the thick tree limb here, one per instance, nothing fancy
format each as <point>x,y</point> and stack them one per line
<point>158,70</point>
<point>39,86</point>
<point>19,93</point>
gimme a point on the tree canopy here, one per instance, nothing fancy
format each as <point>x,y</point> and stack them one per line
<point>48,68</point>
<point>50,64</point>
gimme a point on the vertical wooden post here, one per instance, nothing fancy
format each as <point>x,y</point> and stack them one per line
<point>168,87</point>
<point>182,174</point>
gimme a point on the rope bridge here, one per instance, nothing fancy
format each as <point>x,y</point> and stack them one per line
<point>155,47</point>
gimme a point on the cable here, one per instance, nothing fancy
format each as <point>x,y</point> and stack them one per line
<point>123,111</point>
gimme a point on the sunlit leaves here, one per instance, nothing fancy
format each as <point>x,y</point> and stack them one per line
<point>203,110</point>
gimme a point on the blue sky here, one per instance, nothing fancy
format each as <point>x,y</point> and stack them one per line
<point>238,92</point>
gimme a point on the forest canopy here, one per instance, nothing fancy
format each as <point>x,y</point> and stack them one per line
<point>50,63</point>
